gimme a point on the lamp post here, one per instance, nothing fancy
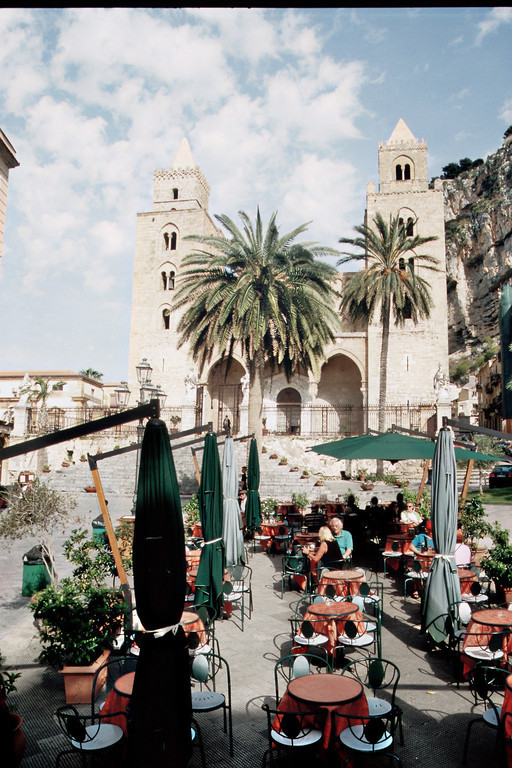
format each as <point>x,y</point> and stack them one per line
<point>147,392</point>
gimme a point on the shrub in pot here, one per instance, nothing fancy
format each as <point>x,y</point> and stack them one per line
<point>497,564</point>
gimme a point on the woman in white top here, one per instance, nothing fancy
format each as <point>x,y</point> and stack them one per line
<point>462,552</point>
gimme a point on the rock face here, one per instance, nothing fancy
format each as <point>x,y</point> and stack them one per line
<point>478,222</point>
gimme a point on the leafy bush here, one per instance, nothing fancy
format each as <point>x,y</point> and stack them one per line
<point>472,520</point>
<point>300,499</point>
<point>191,509</point>
<point>498,562</point>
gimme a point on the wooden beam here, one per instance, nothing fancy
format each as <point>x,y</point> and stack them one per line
<point>467,478</point>
<point>423,481</point>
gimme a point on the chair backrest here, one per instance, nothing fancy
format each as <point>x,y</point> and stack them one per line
<point>296,726</point>
<point>79,729</point>
<point>395,546</point>
<point>297,665</point>
<point>376,733</point>
<point>475,588</point>
<point>107,675</point>
<point>358,600</point>
<point>330,591</point>
<point>487,683</point>
<point>350,629</point>
<point>206,667</point>
<point>293,563</point>
<point>375,673</point>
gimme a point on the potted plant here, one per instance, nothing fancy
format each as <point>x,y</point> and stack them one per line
<point>497,563</point>
<point>472,521</point>
<point>12,738</point>
<point>305,474</point>
<point>361,473</point>
<point>283,461</point>
<point>273,456</point>
<point>175,420</point>
<point>83,457</point>
<point>79,619</point>
<point>300,500</point>
<point>46,468</point>
<point>264,430</point>
<point>191,511</point>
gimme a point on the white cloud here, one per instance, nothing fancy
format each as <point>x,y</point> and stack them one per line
<point>496,17</point>
<point>506,111</point>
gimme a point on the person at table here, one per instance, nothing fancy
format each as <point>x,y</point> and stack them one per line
<point>243,500</point>
<point>342,538</point>
<point>327,554</point>
<point>243,479</point>
<point>422,541</point>
<point>462,552</point>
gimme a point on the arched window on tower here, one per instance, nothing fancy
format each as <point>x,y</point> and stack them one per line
<point>164,280</point>
<point>174,240</point>
<point>398,173</point>
<point>409,230</point>
<point>175,193</point>
<point>411,264</point>
<point>407,172</point>
<point>401,264</point>
<point>166,241</point>
<point>166,318</point>
<point>170,281</point>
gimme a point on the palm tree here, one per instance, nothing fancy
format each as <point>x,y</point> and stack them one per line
<point>91,373</point>
<point>390,280</point>
<point>39,391</point>
<point>261,293</point>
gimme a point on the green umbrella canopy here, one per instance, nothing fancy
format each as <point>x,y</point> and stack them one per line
<point>390,446</point>
<point>253,503</point>
<point>209,579</point>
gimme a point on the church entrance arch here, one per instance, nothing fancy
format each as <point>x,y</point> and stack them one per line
<point>339,402</point>
<point>288,411</point>
<point>225,390</point>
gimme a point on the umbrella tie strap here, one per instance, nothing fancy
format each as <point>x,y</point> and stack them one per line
<point>448,558</point>
<point>164,630</point>
<point>230,498</point>
<point>213,541</point>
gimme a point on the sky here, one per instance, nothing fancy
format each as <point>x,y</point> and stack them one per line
<point>283,109</point>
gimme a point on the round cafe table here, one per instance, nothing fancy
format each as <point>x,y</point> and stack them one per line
<point>466,578</point>
<point>124,684</point>
<point>344,582</point>
<point>483,623</point>
<point>496,618</point>
<point>326,693</point>
<point>329,619</point>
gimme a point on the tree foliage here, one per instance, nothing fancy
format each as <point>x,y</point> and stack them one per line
<point>91,373</point>
<point>39,512</point>
<point>261,294</point>
<point>452,170</point>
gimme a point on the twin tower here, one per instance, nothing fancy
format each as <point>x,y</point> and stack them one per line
<point>342,400</point>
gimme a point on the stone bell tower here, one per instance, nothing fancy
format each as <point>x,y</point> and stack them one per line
<point>180,208</point>
<point>416,352</point>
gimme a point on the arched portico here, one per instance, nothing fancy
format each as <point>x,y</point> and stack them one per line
<point>224,388</point>
<point>339,404</point>
<point>288,411</point>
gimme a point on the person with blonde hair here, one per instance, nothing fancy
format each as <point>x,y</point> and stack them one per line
<point>328,553</point>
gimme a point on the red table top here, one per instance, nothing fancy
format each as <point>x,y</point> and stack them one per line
<point>466,575</point>
<point>342,576</point>
<point>325,689</point>
<point>497,617</point>
<point>124,684</point>
<point>332,609</point>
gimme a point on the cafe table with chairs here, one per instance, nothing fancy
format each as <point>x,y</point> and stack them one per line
<point>395,548</point>
<point>329,618</point>
<point>488,638</point>
<point>344,582</point>
<point>321,696</point>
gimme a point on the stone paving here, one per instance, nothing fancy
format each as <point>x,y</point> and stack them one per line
<point>436,712</point>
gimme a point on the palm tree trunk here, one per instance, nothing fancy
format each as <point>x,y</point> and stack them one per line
<point>256,368</point>
<point>383,373</point>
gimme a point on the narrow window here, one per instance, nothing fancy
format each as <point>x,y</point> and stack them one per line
<point>170,283</point>
<point>401,265</point>
<point>164,280</point>
<point>166,317</point>
<point>407,172</point>
<point>411,265</point>
<point>166,241</point>
<point>398,172</point>
<point>175,193</point>
<point>174,238</point>
<point>410,227</point>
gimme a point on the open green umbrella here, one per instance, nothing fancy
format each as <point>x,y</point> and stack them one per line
<point>390,446</point>
<point>161,704</point>
<point>253,503</point>
<point>232,526</point>
<point>209,579</point>
<point>443,585</point>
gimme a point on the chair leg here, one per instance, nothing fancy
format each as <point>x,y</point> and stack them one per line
<point>200,742</point>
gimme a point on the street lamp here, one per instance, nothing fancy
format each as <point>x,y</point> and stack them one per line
<point>147,392</point>
<point>122,395</point>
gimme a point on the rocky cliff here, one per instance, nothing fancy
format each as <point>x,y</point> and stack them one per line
<point>478,219</point>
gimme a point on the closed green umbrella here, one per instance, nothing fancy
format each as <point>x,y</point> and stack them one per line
<point>161,704</point>
<point>390,446</point>
<point>209,579</point>
<point>253,503</point>
<point>443,585</point>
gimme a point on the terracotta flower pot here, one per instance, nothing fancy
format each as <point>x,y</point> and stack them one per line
<point>78,680</point>
<point>19,740</point>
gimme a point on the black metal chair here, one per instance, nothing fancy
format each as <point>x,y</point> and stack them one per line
<point>292,565</point>
<point>487,685</point>
<point>368,734</point>
<point>86,734</point>
<point>292,730</point>
<point>205,671</point>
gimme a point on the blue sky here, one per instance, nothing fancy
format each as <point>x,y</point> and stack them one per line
<point>282,108</point>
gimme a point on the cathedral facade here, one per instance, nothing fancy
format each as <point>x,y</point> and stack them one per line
<point>343,400</point>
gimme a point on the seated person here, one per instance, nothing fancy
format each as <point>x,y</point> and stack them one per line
<point>409,514</point>
<point>462,552</point>
<point>422,540</point>
<point>343,538</point>
<point>328,553</point>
